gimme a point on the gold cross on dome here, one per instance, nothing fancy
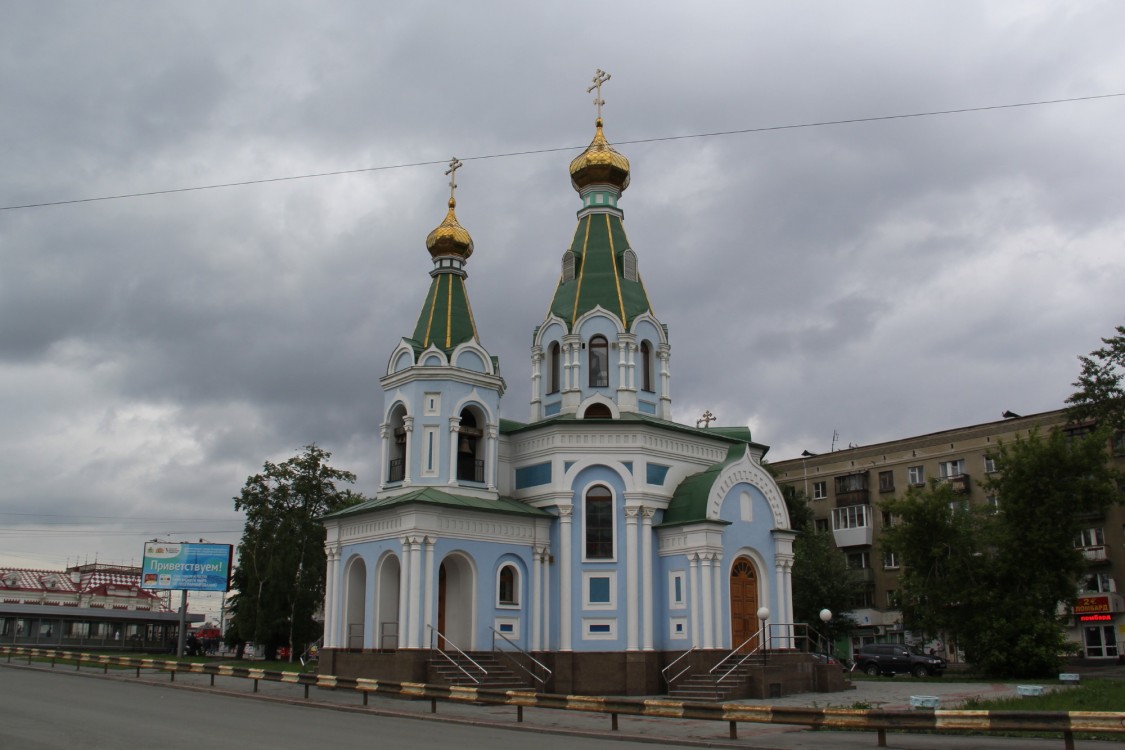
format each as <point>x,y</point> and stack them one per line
<point>454,165</point>
<point>600,77</point>
<point>706,419</point>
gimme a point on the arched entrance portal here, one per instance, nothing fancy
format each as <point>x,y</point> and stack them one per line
<point>744,605</point>
<point>455,602</point>
<point>355,606</point>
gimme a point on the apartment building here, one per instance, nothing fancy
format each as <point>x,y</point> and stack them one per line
<point>846,488</point>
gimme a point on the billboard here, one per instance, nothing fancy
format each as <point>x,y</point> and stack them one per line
<point>186,567</point>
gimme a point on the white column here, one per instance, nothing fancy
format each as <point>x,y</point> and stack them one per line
<point>565,603</point>
<point>546,620</point>
<point>404,584</point>
<point>407,460</point>
<point>490,461</point>
<point>536,383</point>
<point>387,435</point>
<point>648,588</point>
<point>331,602</point>
<point>708,610</point>
<point>454,433</point>
<point>632,570</point>
<point>428,576</point>
<point>779,577</point>
<point>415,593</point>
<point>536,598</point>
<point>664,353</point>
<point>717,600</point>
<point>693,591</point>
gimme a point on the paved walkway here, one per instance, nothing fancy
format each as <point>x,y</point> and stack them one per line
<point>885,693</point>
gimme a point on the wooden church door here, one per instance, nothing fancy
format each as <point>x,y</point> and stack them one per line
<point>744,604</point>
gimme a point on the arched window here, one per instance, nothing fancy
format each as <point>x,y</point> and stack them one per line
<point>470,449</point>
<point>646,366</point>
<point>599,362</point>
<point>597,411</point>
<point>507,586</point>
<point>396,453</point>
<point>554,372</point>
<point>598,519</point>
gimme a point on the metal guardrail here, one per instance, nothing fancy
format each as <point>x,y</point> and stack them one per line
<point>1066,723</point>
<point>516,646</point>
<point>436,637</point>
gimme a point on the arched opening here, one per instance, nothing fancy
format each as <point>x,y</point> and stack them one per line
<point>744,623</point>
<point>646,366</point>
<point>470,449</point>
<point>554,367</point>
<point>455,603</point>
<point>386,603</point>
<point>355,606</point>
<point>598,523</point>
<point>597,411</point>
<point>508,586</point>
<point>599,362</point>
<point>396,453</point>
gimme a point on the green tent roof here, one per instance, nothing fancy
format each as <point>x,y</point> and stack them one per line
<point>599,277</point>
<point>446,320</point>
<point>689,501</point>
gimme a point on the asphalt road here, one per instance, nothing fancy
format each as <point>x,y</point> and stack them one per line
<point>42,710</point>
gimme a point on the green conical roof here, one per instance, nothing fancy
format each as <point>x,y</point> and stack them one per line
<point>446,320</point>
<point>599,247</point>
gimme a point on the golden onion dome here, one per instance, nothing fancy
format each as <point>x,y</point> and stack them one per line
<point>449,237</point>
<point>599,163</point>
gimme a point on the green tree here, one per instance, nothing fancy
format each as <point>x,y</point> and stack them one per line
<point>279,578</point>
<point>821,579</point>
<point>1101,395</point>
<point>993,578</point>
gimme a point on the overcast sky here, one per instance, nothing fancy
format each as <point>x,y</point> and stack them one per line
<point>878,279</point>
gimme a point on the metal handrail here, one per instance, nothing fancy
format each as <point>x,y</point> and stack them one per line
<point>538,663</point>
<point>669,680</point>
<point>453,661</point>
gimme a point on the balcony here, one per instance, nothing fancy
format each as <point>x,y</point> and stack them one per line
<point>1096,554</point>
<point>852,489</point>
<point>852,526</point>
<point>959,483</point>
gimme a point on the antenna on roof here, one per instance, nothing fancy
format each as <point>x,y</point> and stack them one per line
<point>835,437</point>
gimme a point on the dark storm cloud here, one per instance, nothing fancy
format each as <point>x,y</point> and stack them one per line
<point>876,280</point>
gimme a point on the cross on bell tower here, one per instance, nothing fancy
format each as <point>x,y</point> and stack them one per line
<point>600,77</point>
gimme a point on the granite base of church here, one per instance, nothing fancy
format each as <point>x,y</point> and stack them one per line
<point>607,673</point>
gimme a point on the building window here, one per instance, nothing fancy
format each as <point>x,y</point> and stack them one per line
<point>989,464</point>
<point>890,561</point>
<point>646,366</point>
<point>851,517</point>
<point>993,502</point>
<point>599,523</point>
<point>892,599</point>
<point>600,591</point>
<point>950,469</point>
<point>1090,538</point>
<point>507,586</point>
<point>599,362</point>
<point>554,367</point>
<point>864,599</point>
<point>916,476</point>
<point>1117,443</point>
<point>676,594</point>
<point>888,519</point>
<point>851,483</point>
<point>821,525</point>
<point>819,490</point>
<point>858,560</point>
<point>1099,583</point>
<point>886,481</point>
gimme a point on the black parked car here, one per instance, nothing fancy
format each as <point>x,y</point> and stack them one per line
<point>894,658</point>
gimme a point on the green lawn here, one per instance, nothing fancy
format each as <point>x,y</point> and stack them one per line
<point>1094,695</point>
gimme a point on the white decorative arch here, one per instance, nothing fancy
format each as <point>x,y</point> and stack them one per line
<point>431,353</point>
<point>648,317</point>
<point>615,466</point>
<point>598,312</point>
<point>598,398</point>
<point>475,399</point>
<point>748,471</point>
<point>404,350</point>
<point>477,349</point>
<point>395,399</point>
<point>544,333</point>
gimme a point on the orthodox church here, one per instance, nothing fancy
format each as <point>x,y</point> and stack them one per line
<point>599,540</point>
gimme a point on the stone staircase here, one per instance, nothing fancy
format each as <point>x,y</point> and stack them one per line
<point>500,676</point>
<point>704,686</point>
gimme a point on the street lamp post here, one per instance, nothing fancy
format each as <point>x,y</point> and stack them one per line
<point>825,616</point>
<point>763,615</point>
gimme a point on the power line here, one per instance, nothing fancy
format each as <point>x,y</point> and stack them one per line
<point>532,152</point>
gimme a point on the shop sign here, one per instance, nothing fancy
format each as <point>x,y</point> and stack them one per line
<point>1088,605</point>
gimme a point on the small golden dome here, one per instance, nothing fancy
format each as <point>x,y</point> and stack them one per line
<point>599,163</point>
<point>450,238</point>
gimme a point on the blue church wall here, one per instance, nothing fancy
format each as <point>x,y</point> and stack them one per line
<point>588,327</point>
<point>751,519</point>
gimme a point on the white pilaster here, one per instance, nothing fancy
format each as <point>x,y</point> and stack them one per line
<point>454,433</point>
<point>387,435</point>
<point>491,433</point>
<point>565,573</point>
<point>632,569</point>
<point>403,588</point>
<point>648,587</point>
<point>415,595</point>
<point>429,576</point>
<point>717,600</point>
<point>693,591</point>
<point>708,609</point>
<point>536,383</point>
<point>331,598</point>
<point>408,459</point>
<point>536,598</point>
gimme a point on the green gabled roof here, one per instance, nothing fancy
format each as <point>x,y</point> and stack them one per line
<point>433,496</point>
<point>599,273</point>
<point>446,320</point>
<point>689,501</point>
